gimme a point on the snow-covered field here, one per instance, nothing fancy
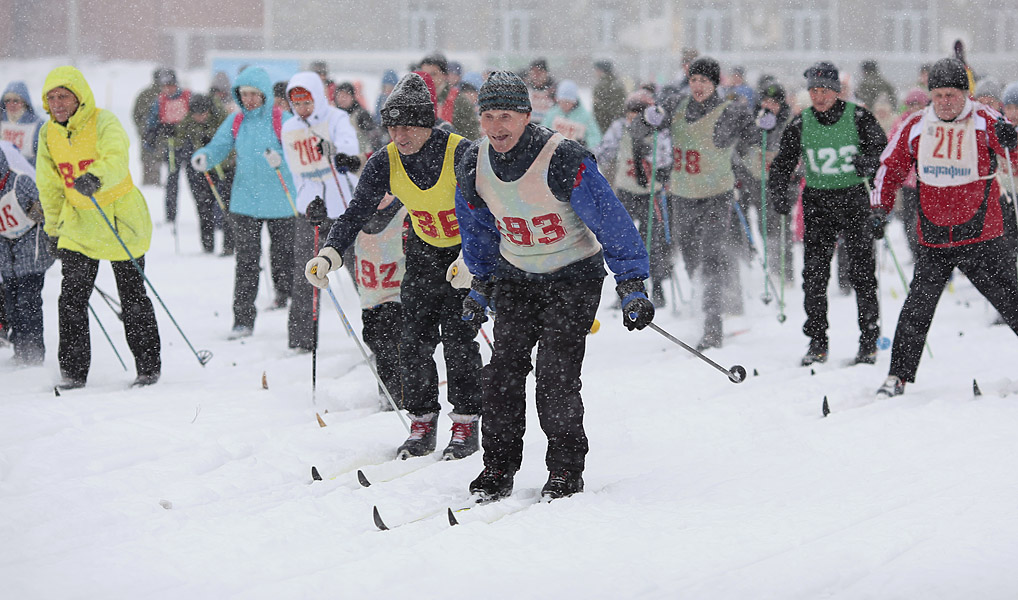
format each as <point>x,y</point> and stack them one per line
<point>200,486</point>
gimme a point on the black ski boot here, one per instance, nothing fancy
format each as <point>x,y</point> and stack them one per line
<point>867,354</point>
<point>562,484</point>
<point>422,436</point>
<point>492,484</point>
<point>465,437</point>
<point>145,380</point>
<point>817,352</point>
<point>70,383</point>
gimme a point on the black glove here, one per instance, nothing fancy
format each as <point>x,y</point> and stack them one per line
<point>345,161</point>
<point>1006,134</point>
<point>779,199</point>
<point>637,309</point>
<point>87,185</point>
<point>315,213</point>
<point>878,220</point>
<point>866,166</point>
<point>475,305</point>
<point>52,246</point>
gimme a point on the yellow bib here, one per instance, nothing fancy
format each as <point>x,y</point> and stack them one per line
<point>73,159</point>
<point>433,210</point>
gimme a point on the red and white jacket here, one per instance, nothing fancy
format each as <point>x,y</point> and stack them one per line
<point>952,215</point>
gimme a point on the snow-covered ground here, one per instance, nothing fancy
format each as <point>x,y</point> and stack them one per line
<point>200,486</point>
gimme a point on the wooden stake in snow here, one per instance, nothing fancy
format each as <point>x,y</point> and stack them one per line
<point>265,381</point>
<point>321,423</point>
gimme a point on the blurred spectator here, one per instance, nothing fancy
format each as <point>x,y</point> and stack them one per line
<point>19,124</point>
<point>150,152</point>
<point>738,88</point>
<point>873,85</point>
<point>570,118</point>
<point>989,92</point>
<point>542,89</point>
<point>389,79</point>
<point>369,134</point>
<point>609,95</point>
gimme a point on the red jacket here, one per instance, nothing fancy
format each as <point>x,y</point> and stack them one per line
<point>954,215</point>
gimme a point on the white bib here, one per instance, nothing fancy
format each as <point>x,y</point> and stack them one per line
<point>14,222</point>
<point>573,130</point>
<point>302,155</point>
<point>947,153</point>
<point>19,134</point>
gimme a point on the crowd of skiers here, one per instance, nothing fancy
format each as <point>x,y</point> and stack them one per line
<point>458,192</point>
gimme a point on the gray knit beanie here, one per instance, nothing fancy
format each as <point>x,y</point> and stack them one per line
<point>504,90</point>
<point>409,104</point>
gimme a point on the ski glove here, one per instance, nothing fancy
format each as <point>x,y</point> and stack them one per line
<point>654,116</point>
<point>458,275</point>
<point>87,185</point>
<point>766,120</point>
<point>1006,134</point>
<point>274,159</point>
<point>316,213</point>
<point>866,166</point>
<point>318,268</point>
<point>637,309</point>
<point>347,162</point>
<point>475,305</point>
<point>878,220</point>
<point>200,162</point>
<point>326,148</point>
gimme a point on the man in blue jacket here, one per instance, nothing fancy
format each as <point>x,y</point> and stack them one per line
<point>538,222</point>
<point>260,194</point>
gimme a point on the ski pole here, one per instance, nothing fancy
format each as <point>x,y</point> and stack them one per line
<point>737,374</point>
<point>314,339</point>
<point>342,196</point>
<point>781,296</point>
<point>110,302</point>
<point>286,190</point>
<point>650,198</point>
<point>215,193</point>
<point>364,353</point>
<point>487,339</point>
<point>763,209</point>
<point>203,356</point>
<point>96,317</point>
<point>752,248</point>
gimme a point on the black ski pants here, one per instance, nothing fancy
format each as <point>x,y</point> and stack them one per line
<point>248,238</point>
<point>556,316</point>
<point>300,320</point>
<point>140,328</point>
<point>205,203</point>
<point>382,326</point>
<point>433,313</point>
<point>660,247</point>
<point>827,213</point>
<point>988,265</point>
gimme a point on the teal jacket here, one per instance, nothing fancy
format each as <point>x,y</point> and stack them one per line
<point>257,191</point>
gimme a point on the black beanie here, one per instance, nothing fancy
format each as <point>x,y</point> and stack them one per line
<point>949,73</point>
<point>708,67</point>
<point>504,90</point>
<point>823,75</point>
<point>409,104</point>
<point>200,103</point>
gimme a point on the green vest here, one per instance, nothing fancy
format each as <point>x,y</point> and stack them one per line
<point>701,169</point>
<point>828,151</point>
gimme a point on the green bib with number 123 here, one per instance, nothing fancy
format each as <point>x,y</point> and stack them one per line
<point>828,151</point>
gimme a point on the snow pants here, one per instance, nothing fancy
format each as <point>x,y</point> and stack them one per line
<point>23,299</point>
<point>556,316</point>
<point>433,313</point>
<point>205,204</point>
<point>826,213</point>
<point>248,238</point>
<point>660,247</point>
<point>382,327</point>
<point>988,265</point>
<point>137,313</point>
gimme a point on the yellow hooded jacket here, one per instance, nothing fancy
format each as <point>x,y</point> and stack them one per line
<point>93,141</point>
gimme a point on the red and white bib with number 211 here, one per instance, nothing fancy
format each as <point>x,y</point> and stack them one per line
<point>947,150</point>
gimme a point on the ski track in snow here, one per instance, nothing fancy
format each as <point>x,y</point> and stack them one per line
<point>695,487</point>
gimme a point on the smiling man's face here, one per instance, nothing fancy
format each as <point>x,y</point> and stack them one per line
<point>504,128</point>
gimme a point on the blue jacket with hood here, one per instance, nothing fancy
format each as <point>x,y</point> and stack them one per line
<point>257,191</point>
<point>27,254</point>
<point>23,133</point>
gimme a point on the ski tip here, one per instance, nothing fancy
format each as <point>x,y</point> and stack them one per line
<point>378,519</point>
<point>315,475</point>
<point>56,391</point>
<point>812,372</point>
<point>756,373</point>
<point>362,479</point>
<point>826,408</point>
<point>975,389</point>
<point>452,518</point>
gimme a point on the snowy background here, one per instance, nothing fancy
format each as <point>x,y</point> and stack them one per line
<point>200,486</point>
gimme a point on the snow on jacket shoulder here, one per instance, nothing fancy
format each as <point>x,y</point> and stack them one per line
<point>257,191</point>
<point>72,149</point>
<point>313,174</point>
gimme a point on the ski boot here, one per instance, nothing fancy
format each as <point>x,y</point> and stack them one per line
<point>145,380</point>
<point>893,386</point>
<point>562,484</point>
<point>492,484</point>
<point>867,354</point>
<point>817,352</point>
<point>422,437</point>
<point>465,437</point>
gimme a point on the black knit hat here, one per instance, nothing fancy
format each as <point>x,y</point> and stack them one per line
<point>409,104</point>
<point>823,75</point>
<point>949,73</point>
<point>773,91</point>
<point>708,67</point>
<point>200,103</point>
<point>504,90</point>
